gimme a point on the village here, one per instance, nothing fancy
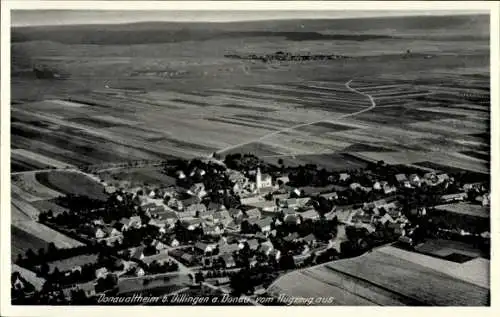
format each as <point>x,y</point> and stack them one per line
<point>238,224</point>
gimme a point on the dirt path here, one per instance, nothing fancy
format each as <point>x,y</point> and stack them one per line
<point>347,85</point>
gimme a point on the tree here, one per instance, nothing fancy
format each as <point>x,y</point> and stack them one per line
<point>198,277</point>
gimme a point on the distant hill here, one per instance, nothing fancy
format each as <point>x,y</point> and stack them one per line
<point>294,30</point>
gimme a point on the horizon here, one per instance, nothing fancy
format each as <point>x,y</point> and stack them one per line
<point>34,18</point>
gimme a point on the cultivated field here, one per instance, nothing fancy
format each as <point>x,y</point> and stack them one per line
<point>388,277</point>
<point>183,98</point>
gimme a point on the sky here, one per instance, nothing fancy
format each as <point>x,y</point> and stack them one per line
<point>68,17</point>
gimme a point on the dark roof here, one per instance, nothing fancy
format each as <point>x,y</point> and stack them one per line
<point>264,222</point>
<point>191,200</point>
<point>201,246</point>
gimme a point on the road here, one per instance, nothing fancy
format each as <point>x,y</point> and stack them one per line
<point>347,85</point>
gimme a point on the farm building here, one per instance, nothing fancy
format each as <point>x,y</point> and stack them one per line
<point>264,224</point>
<point>72,264</point>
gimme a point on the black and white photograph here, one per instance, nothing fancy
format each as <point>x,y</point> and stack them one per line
<point>249,157</point>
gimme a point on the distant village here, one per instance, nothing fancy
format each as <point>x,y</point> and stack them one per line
<point>235,225</point>
<point>286,56</point>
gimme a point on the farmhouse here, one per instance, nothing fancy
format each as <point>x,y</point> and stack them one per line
<point>228,248</point>
<point>264,224</point>
<point>73,264</point>
<point>310,214</point>
<point>228,260</point>
<point>159,258</point>
<point>203,247</point>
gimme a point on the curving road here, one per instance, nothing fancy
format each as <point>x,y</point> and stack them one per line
<point>347,85</point>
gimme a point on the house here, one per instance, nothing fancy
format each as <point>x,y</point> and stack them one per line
<point>386,218</point>
<point>195,209</point>
<point>330,196</point>
<point>138,253</point>
<point>214,207</point>
<point>174,243</point>
<point>309,239</point>
<point>223,217</point>
<point>290,219</point>
<point>88,288</point>
<point>228,248</point>
<point>266,248</point>
<point>401,178</point>
<point>228,261</point>
<point>188,258</point>
<point>213,229</point>
<point>159,258</point>
<point>454,197</point>
<point>139,271</point>
<point>442,178</point>
<point>198,190</point>
<point>253,244</point>
<point>128,223</point>
<point>101,272</point>
<point>389,189</point>
<point>158,245</point>
<point>264,224</point>
<point>97,233</point>
<point>233,226</point>
<point>406,240</point>
<point>414,180</point>
<point>234,212</point>
<point>289,211</point>
<point>291,203</point>
<point>283,180</point>
<point>362,217</point>
<point>344,177</point>
<point>335,245</point>
<point>292,237</point>
<point>191,223</point>
<point>276,254</point>
<point>180,174</point>
<point>253,213</point>
<point>310,214</point>
<point>203,247</point>
<point>377,186</point>
<point>111,232</point>
<point>73,264</point>
<point>396,227</point>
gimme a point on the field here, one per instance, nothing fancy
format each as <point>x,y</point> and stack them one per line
<point>466,209</point>
<point>182,98</point>
<point>133,177</point>
<point>72,183</point>
<point>388,276</point>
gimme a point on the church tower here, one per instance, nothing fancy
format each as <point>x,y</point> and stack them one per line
<point>258,179</point>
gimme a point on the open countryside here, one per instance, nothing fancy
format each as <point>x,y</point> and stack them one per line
<point>345,159</point>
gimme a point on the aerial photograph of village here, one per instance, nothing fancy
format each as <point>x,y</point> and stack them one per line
<point>247,158</point>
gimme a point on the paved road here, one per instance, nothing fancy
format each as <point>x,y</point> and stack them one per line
<point>347,85</point>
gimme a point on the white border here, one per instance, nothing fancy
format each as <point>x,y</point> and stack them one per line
<point>8,310</point>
